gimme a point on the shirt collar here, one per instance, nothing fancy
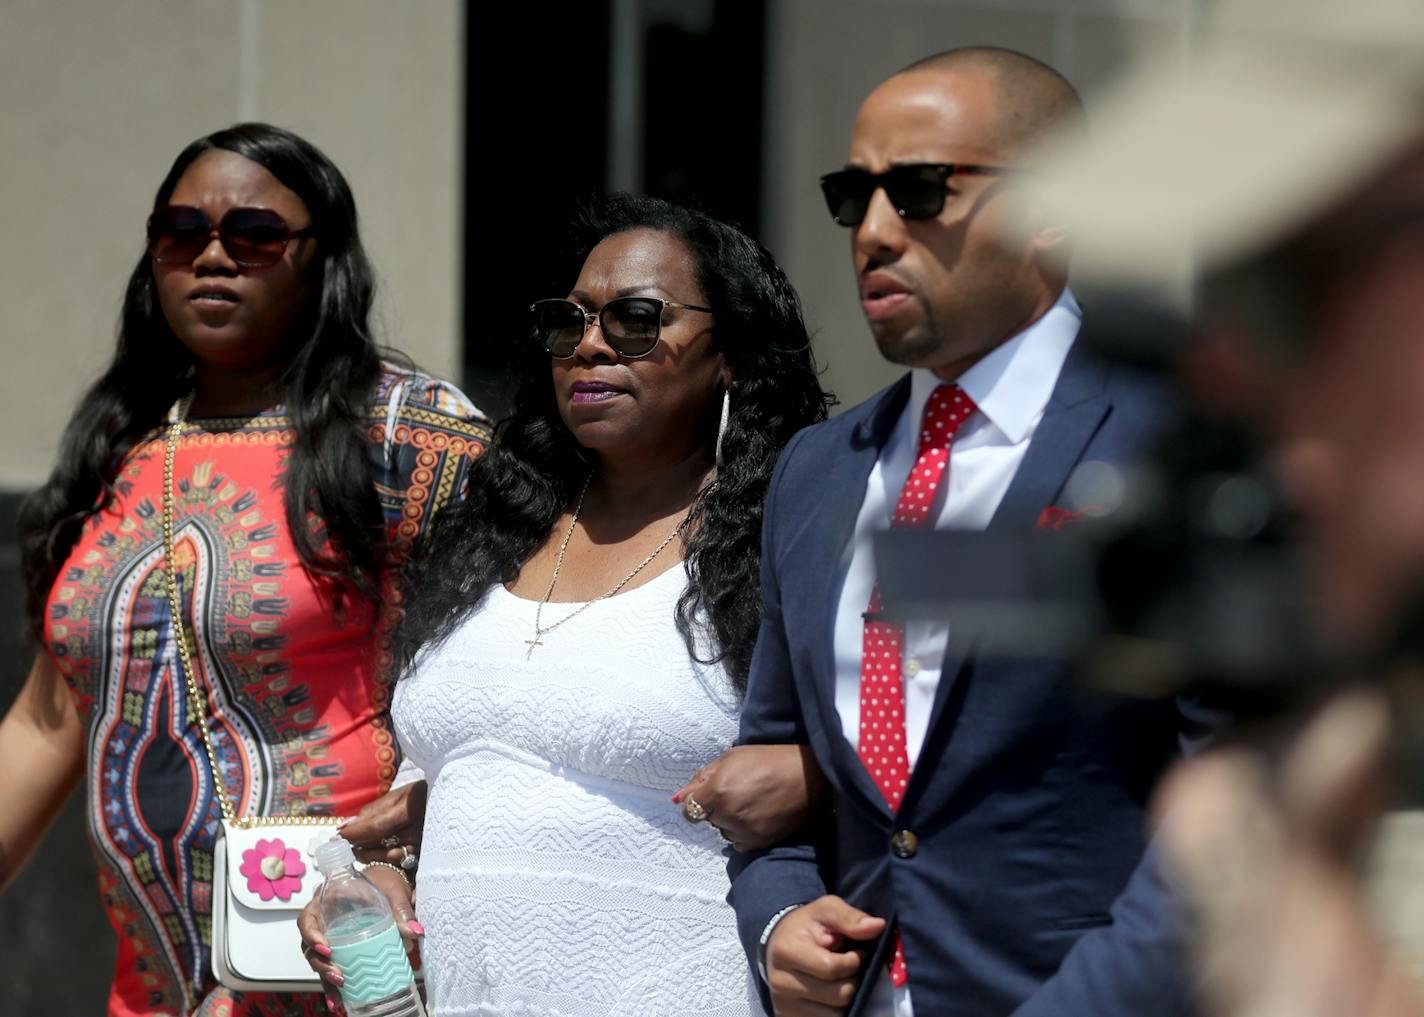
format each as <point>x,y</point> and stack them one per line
<point>1012,384</point>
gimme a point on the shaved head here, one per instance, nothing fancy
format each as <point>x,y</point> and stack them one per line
<point>940,289</point>
<point>1031,99</point>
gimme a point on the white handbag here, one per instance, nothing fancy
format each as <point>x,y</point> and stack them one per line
<point>264,872</point>
<point>256,943</point>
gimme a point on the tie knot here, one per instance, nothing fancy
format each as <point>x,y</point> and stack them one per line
<point>948,407</point>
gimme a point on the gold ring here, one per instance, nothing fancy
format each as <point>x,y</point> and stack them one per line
<point>409,859</point>
<point>693,810</point>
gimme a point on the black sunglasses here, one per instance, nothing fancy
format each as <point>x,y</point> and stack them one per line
<point>631,325</point>
<point>252,237</point>
<point>917,190</point>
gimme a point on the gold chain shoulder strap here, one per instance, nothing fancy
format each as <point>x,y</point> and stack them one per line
<point>175,605</point>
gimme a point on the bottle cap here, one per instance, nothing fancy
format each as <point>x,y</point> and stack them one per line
<point>333,855</point>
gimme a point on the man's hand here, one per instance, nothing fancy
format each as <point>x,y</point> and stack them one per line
<point>757,795</point>
<point>809,973</point>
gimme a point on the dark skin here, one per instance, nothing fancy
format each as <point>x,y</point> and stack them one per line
<point>939,294</point>
<point>238,337</point>
<point>42,748</point>
<point>942,293</point>
<point>650,425</point>
<point>235,320</point>
<point>651,435</point>
<point>757,795</point>
<point>399,813</point>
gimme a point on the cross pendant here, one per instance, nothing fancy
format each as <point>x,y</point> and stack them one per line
<point>531,643</point>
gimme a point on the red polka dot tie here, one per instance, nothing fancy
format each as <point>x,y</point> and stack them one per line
<point>882,686</point>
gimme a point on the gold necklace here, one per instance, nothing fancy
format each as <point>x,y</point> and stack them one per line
<point>559,564</point>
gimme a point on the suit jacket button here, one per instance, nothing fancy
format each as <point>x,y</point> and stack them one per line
<point>905,844</point>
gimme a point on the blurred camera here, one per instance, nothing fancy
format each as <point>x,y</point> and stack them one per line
<point>1178,574</point>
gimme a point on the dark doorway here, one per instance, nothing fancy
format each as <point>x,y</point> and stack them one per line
<point>545,82</point>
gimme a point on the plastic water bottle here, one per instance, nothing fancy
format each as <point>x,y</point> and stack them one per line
<point>365,943</point>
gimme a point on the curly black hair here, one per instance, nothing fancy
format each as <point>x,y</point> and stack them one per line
<point>522,484</point>
<point>327,387</point>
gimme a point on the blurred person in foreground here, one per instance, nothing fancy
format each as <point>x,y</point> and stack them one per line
<point>1289,159</point>
<point>583,632</point>
<point>987,849</point>
<point>305,469</point>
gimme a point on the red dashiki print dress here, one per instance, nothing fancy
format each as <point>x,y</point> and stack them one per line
<point>299,694</point>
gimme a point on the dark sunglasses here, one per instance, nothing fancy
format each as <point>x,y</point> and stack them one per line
<point>631,325</point>
<point>252,237</point>
<point>917,190</point>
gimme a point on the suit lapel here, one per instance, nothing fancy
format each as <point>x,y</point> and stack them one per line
<point>1076,410</point>
<point>844,483</point>
<point>1073,415</point>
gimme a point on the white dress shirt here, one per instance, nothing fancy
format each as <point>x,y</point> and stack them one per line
<point>1011,386</point>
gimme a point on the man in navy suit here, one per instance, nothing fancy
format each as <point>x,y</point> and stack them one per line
<point>986,850</point>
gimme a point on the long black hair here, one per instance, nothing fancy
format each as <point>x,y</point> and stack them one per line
<point>326,387</point>
<point>522,484</point>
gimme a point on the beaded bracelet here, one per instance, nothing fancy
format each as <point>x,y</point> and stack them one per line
<point>394,868</point>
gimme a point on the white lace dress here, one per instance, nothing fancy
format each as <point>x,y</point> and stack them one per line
<point>556,877</point>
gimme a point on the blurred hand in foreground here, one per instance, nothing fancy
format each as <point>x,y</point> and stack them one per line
<point>1269,872</point>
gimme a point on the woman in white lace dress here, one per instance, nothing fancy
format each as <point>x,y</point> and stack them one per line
<point>584,625</point>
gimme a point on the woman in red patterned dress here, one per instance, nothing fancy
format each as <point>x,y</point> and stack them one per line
<point>305,469</point>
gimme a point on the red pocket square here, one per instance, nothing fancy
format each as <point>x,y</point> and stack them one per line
<point>1055,518</point>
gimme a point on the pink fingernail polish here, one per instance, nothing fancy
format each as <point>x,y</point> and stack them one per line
<point>415,927</point>
<point>337,979</point>
<point>323,951</point>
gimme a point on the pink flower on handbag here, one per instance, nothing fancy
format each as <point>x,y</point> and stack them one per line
<point>273,869</point>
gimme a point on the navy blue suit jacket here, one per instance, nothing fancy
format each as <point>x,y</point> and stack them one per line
<point>1029,892</point>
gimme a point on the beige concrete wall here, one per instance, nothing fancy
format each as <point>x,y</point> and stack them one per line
<point>826,55</point>
<point>97,98</point>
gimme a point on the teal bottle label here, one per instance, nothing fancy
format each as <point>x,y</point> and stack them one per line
<point>374,968</point>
